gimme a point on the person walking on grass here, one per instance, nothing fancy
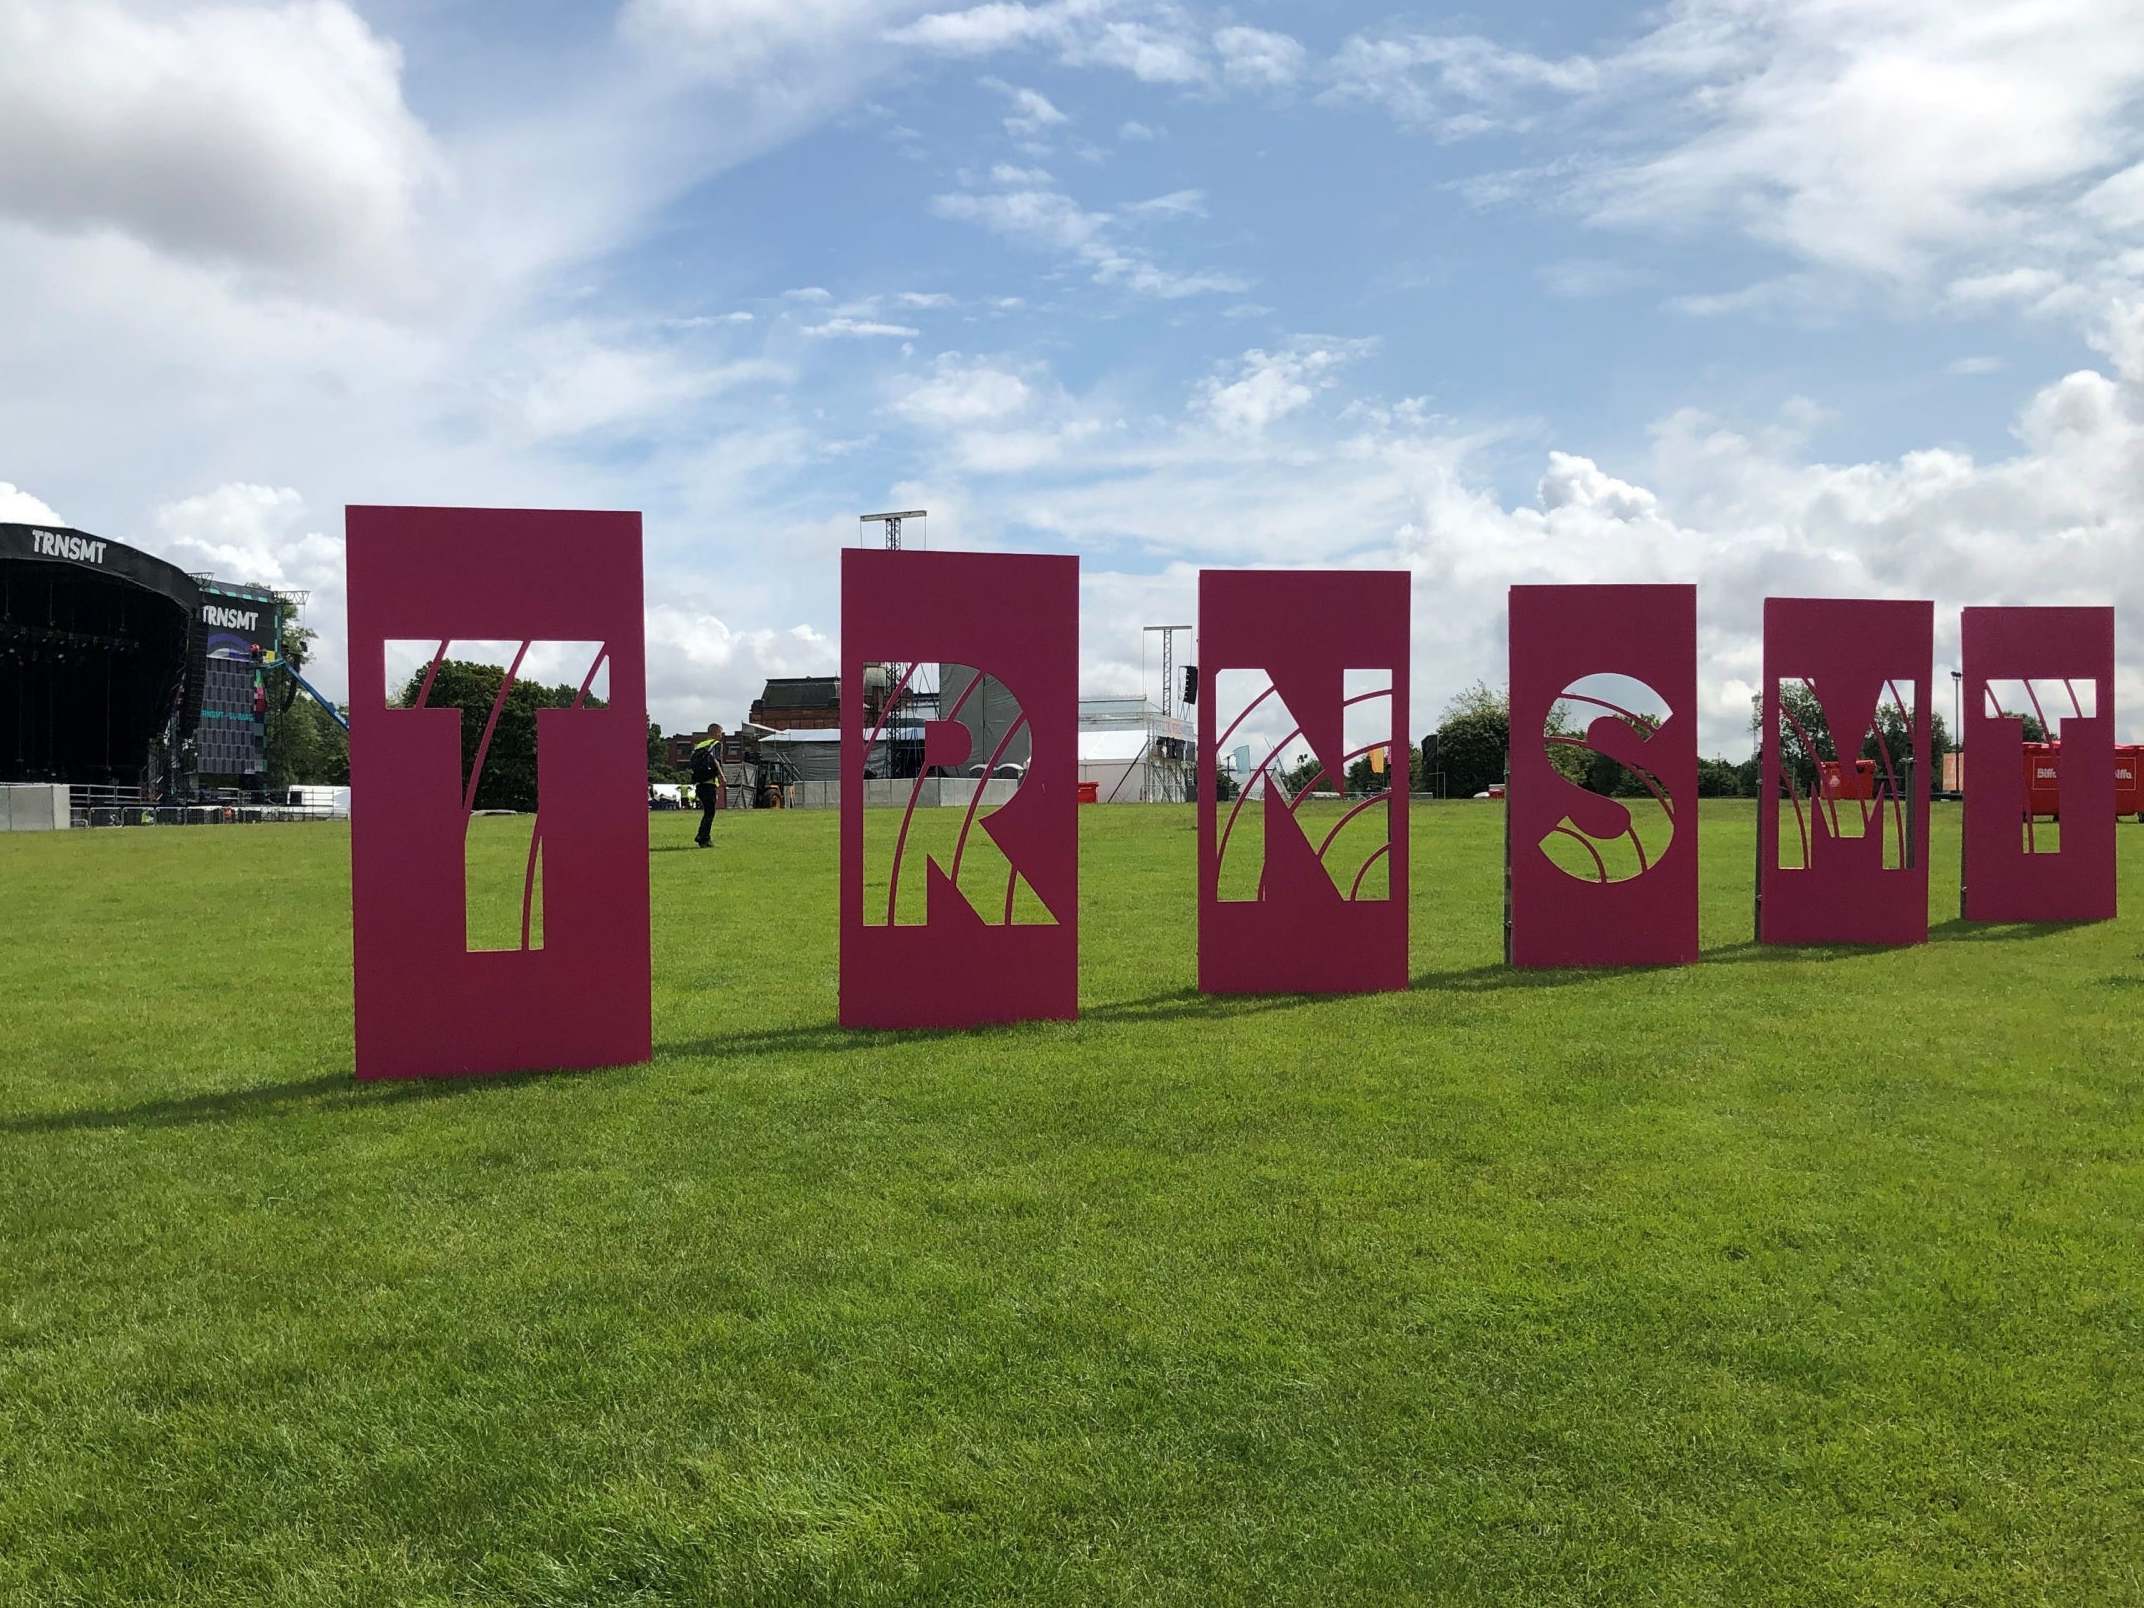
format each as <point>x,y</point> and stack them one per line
<point>707,779</point>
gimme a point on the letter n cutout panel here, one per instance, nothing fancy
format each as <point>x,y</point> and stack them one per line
<point>427,1006</point>
<point>1587,886</point>
<point>1314,925</point>
<point>2043,662</point>
<point>1859,847</point>
<point>1012,619</point>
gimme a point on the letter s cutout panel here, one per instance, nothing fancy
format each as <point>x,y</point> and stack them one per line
<point>427,1006</point>
<point>1853,655</point>
<point>1309,929</point>
<point>1013,619</point>
<point>1561,636</point>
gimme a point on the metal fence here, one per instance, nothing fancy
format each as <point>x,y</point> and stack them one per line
<point>128,806</point>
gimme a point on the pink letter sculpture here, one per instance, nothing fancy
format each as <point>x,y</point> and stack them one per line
<point>426,1005</point>
<point>1598,880</point>
<point>1853,836</point>
<point>1323,912</point>
<point>2016,868</point>
<point>923,947</point>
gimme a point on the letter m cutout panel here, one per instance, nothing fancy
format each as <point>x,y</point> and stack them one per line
<point>1325,908</point>
<point>428,1006</point>
<point>975,804</point>
<point>1601,853</point>
<point>2056,665</point>
<point>1842,816</point>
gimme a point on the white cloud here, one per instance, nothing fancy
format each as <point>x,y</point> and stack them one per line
<point>1975,365</point>
<point>961,394</point>
<point>808,293</point>
<point>2009,285</point>
<point>1052,220</point>
<point>1176,204</point>
<point>1026,178</point>
<point>733,40</point>
<point>272,138</point>
<point>1452,86</point>
<point>1041,217</point>
<point>1134,133</point>
<point>1871,137</point>
<point>1268,386</point>
<point>1258,58</point>
<point>1031,111</point>
<point>18,507</point>
<point>1152,55</point>
<point>860,328</point>
<point>924,299</point>
<point>1582,278</point>
<point>1157,49</point>
<point>570,380</point>
<point>982,30</point>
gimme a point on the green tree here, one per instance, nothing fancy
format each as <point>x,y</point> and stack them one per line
<point>1473,740</point>
<point>1225,787</point>
<point>509,779</point>
<point>302,743</point>
<point>1718,778</point>
<point>1305,772</point>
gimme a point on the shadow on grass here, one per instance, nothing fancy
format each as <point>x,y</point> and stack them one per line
<point>326,1093</point>
<point>1958,930</point>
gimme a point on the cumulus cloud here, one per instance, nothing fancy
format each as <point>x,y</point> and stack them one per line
<point>18,507</point>
<point>274,138</point>
<point>1268,386</point>
<point>1873,137</point>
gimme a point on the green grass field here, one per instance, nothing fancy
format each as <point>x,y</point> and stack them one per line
<point>1789,1277</point>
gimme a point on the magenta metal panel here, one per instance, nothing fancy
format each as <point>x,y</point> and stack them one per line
<point>1302,631</point>
<point>1852,655</point>
<point>426,1006</point>
<point>2055,653</point>
<point>1561,635</point>
<point>1014,617</point>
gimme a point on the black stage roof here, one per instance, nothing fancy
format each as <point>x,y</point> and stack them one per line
<point>95,640</point>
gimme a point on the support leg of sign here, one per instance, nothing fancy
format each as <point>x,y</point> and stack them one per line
<point>1756,898</point>
<point>1507,863</point>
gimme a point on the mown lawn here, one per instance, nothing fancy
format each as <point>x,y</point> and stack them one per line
<point>1787,1277</point>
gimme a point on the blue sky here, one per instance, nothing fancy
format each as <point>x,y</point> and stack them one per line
<point>1778,296</point>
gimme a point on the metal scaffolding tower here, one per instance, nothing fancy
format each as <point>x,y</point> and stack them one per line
<point>1169,746</point>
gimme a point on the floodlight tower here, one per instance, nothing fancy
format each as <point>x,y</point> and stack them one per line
<point>892,524</point>
<point>908,692</point>
<point>1166,750</point>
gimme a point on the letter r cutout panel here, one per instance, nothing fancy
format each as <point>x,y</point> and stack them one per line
<point>1322,905</point>
<point>1842,816</point>
<point>427,1005</point>
<point>2057,666</point>
<point>1602,804</point>
<point>960,761</point>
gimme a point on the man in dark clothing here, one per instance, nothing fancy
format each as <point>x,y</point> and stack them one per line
<point>707,779</point>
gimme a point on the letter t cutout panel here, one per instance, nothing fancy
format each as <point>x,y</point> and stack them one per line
<point>427,1005</point>
<point>959,698</point>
